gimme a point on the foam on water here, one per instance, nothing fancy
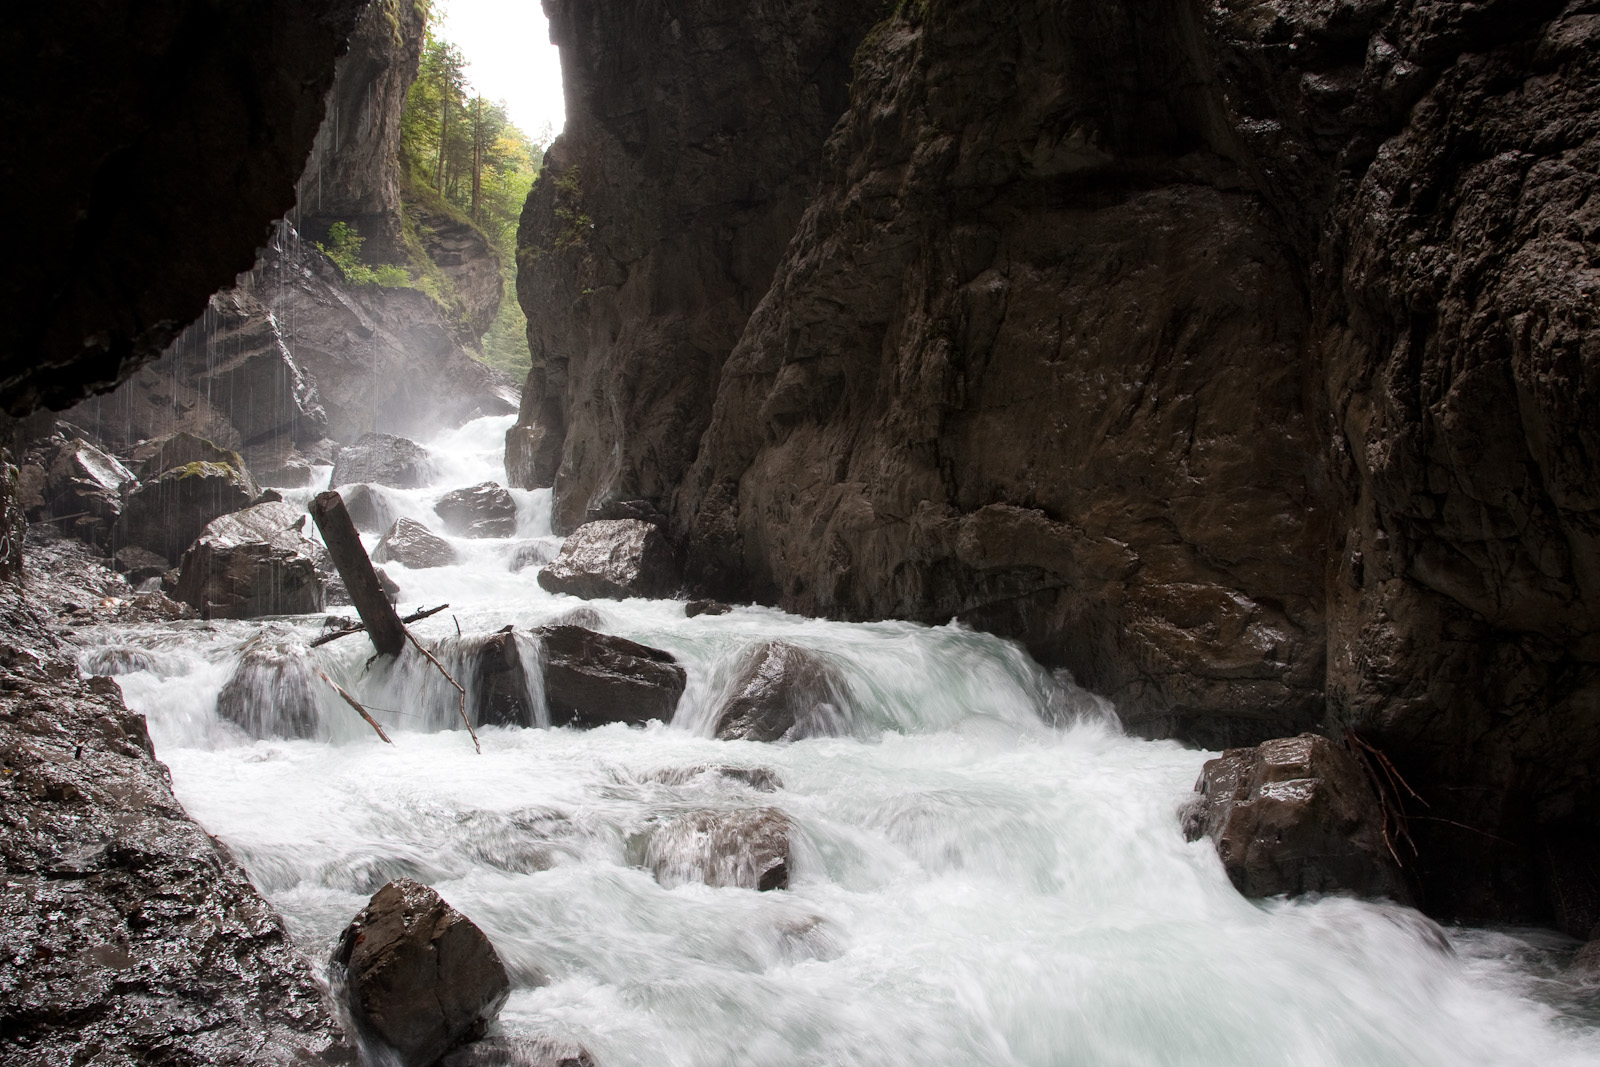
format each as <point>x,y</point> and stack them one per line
<point>987,873</point>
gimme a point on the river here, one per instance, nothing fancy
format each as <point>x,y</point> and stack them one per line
<point>986,872</point>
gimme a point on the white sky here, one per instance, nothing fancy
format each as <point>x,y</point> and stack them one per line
<point>509,57</point>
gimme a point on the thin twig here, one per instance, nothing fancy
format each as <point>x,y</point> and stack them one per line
<point>453,682</point>
<point>360,627</point>
<point>458,625</point>
<point>354,703</point>
<point>1464,826</point>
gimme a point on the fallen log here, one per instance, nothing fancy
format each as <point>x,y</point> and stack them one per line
<point>361,628</point>
<point>378,616</point>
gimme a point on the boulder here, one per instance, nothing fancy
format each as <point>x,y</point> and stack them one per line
<point>256,562</point>
<point>156,457</point>
<point>139,564</point>
<point>586,617</point>
<point>85,483</point>
<point>592,679</point>
<point>748,849</point>
<point>484,510</point>
<point>1295,815</point>
<point>167,513</point>
<point>367,507</point>
<point>613,558</point>
<point>534,553</point>
<point>412,544</point>
<point>705,607</point>
<point>336,594</point>
<point>384,459</point>
<point>419,976</point>
<point>495,671</point>
<point>784,692</point>
<point>272,691</point>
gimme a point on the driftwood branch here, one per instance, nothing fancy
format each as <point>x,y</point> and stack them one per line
<point>339,534</point>
<point>452,681</point>
<point>361,627</point>
<point>354,703</point>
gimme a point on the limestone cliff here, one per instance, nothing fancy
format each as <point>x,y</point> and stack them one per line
<point>1238,356</point>
<point>692,143</point>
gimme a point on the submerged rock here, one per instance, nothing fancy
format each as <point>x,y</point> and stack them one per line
<point>783,691</point>
<point>705,607</point>
<point>484,510</point>
<point>383,459</point>
<point>166,514</point>
<point>748,849</point>
<point>592,679</point>
<point>412,544</point>
<point>255,562</point>
<point>273,690</point>
<point>508,1051</point>
<point>761,779</point>
<point>1295,815</point>
<point>613,559</point>
<point>419,975</point>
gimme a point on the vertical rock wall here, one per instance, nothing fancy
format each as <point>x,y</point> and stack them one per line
<point>1240,357</point>
<point>692,144</point>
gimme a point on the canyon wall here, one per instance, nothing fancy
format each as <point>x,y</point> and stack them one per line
<point>152,144</point>
<point>1238,357</point>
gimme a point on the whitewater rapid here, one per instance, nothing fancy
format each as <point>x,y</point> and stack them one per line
<point>987,873</point>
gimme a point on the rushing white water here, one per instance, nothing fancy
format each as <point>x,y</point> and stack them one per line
<point>988,872</point>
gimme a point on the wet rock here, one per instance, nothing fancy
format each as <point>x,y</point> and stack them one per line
<point>1586,964</point>
<point>705,607</point>
<point>1295,815</point>
<point>419,975</point>
<point>784,692</point>
<point>166,514</point>
<point>484,510</point>
<point>615,559</point>
<point>534,553</point>
<point>748,849</point>
<point>272,692</point>
<point>139,564</point>
<point>507,1051</point>
<point>413,545</point>
<point>162,454</point>
<point>592,679</point>
<point>256,562</point>
<point>383,459</point>
<point>84,482</point>
<point>367,507</point>
<point>586,617</point>
<point>761,779</point>
<point>13,522</point>
<point>496,672</point>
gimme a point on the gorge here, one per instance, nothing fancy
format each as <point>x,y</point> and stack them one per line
<point>949,425</point>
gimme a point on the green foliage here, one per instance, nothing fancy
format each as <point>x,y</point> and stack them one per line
<point>505,344</point>
<point>575,225</point>
<point>344,248</point>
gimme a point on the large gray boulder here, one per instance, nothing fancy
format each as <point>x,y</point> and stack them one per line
<point>615,559</point>
<point>412,544</point>
<point>1296,815</point>
<point>592,679</point>
<point>367,507</point>
<point>484,510</point>
<point>272,691</point>
<point>84,486</point>
<point>782,691</point>
<point>255,562</point>
<point>748,849</point>
<point>419,976</point>
<point>384,459</point>
<point>167,513</point>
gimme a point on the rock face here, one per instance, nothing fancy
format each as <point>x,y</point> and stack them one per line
<point>383,459</point>
<point>678,199</point>
<point>412,544</point>
<point>613,559</point>
<point>748,849</point>
<point>255,562</point>
<point>420,975</point>
<point>593,679</point>
<point>485,510</point>
<point>1181,348</point>
<point>272,693</point>
<point>108,884</point>
<point>784,692</point>
<point>166,514</point>
<point>174,184</point>
<point>464,255</point>
<point>1296,815</point>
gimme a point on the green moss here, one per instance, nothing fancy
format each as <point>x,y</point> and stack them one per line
<point>575,225</point>
<point>205,469</point>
